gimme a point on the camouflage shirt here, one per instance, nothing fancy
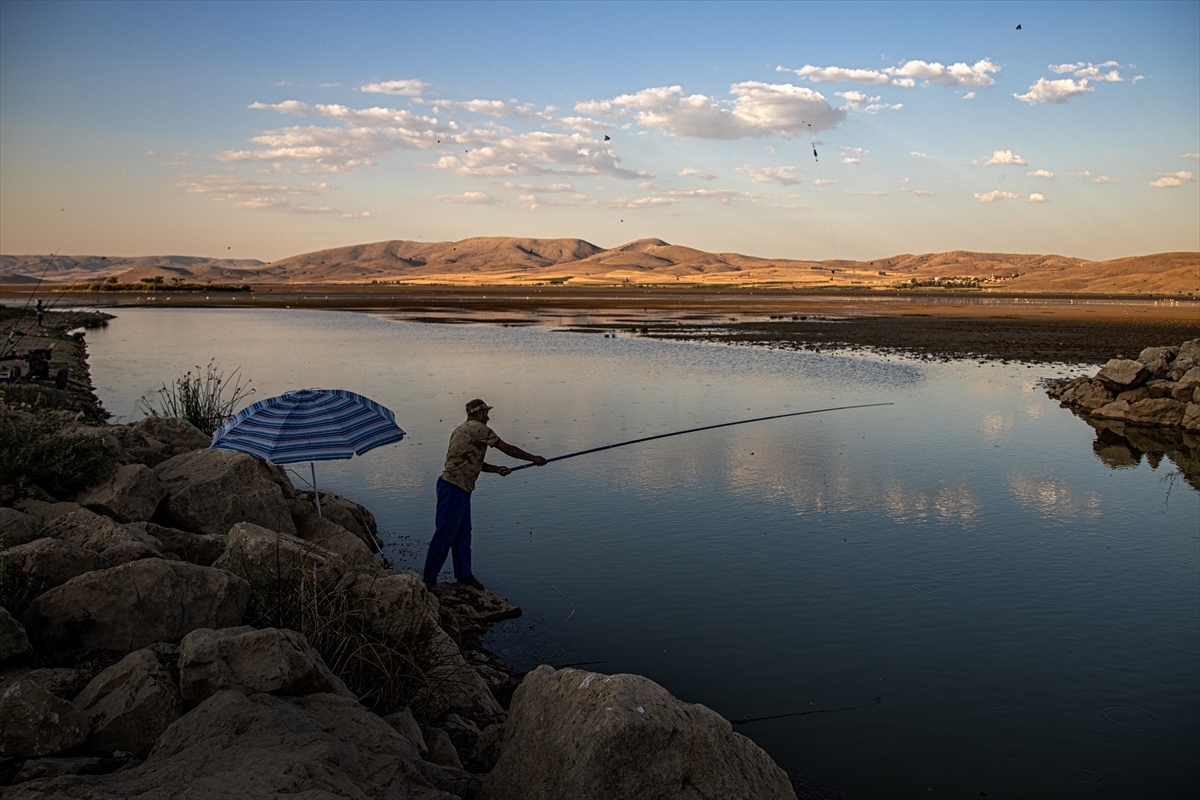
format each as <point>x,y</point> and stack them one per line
<point>464,459</point>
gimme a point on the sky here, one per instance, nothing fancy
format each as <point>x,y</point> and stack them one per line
<point>262,130</point>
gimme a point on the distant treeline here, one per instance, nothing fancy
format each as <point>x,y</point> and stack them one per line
<point>152,284</point>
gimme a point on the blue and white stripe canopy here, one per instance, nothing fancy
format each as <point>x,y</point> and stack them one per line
<point>309,425</point>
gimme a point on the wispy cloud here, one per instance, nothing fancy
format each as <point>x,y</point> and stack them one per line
<point>689,172</point>
<point>536,153</point>
<point>1041,173</point>
<point>1089,71</point>
<point>1106,179</point>
<point>408,88</point>
<point>1167,180</point>
<point>917,192</point>
<point>916,154</point>
<point>850,160</point>
<point>870,104</point>
<point>756,110</point>
<point>784,176</point>
<point>1191,155</point>
<point>542,187</point>
<point>234,186</point>
<point>865,194</point>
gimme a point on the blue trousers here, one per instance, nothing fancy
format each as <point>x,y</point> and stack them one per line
<point>451,534</point>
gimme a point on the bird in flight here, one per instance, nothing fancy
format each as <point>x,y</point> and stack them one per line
<point>1018,27</point>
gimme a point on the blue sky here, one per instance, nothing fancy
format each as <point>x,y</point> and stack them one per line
<point>261,130</point>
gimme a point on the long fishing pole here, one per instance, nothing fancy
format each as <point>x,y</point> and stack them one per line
<point>696,430</point>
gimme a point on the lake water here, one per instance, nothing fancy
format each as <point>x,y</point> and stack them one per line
<point>1028,616</point>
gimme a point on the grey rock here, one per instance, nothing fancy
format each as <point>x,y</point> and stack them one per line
<point>405,724</point>
<point>13,641</point>
<point>210,490</point>
<point>257,553</point>
<point>1155,412</point>
<point>59,681</point>
<point>233,746</point>
<point>585,735</point>
<point>131,703</point>
<point>441,749</point>
<point>1122,373</point>
<point>198,548</point>
<point>1151,353</point>
<point>54,560</point>
<point>350,515</point>
<point>1191,377</point>
<point>53,767</point>
<point>128,607</point>
<point>1179,368</point>
<point>17,527</point>
<point>328,534</point>
<point>131,551</point>
<point>36,723</point>
<point>179,435</point>
<point>131,494</point>
<point>1157,367</point>
<point>1160,388</point>
<point>1189,350</point>
<point>44,512</point>
<point>94,532</point>
<point>251,661</point>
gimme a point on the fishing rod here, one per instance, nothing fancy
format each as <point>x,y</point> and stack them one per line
<point>696,430</point>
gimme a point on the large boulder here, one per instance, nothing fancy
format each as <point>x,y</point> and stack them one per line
<point>233,746</point>
<point>1087,394</point>
<point>323,531</point>
<point>130,494</point>
<point>17,527</point>
<point>251,661</point>
<point>44,512</point>
<point>393,603</point>
<point>91,531</point>
<point>128,607</point>
<point>36,723</point>
<point>1150,354</point>
<point>1114,410</point>
<point>350,515</point>
<point>198,548</point>
<point>178,434</point>
<point>54,560</point>
<point>13,641</point>
<point>1190,378</point>
<point>258,554</point>
<point>1189,350</point>
<point>1191,417</point>
<point>1123,373</point>
<point>210,490</point>
<point>589,736</point>
<point>130,704</point>
<point>1163,411</point>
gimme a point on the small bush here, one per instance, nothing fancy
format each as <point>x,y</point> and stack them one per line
<point>40,452</point>
<point>36,398</point>
<point>200,399</point>
<point>389,662</point>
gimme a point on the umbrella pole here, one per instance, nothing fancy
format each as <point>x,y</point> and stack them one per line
<point>316,494</point>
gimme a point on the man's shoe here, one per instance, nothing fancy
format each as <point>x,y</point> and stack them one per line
<point>433,588</point>
<point>471,581</point>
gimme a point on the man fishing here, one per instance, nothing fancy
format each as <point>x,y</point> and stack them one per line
<point>464,462</point>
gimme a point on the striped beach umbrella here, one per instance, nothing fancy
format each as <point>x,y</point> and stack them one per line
<point>309,425</point>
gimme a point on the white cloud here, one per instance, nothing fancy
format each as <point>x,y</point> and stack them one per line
<point>1002,158</point>
<point>360,117</point>
<point>978,74</point>
<point>688,172</point>
<point>969,96</point>
<point>823,181</point>
<point>1054,91</point>
<point>470,198</point>
<point>865,194</point>
<point>537,153</point>
<point>1087,173</point>
<point>917,192</point>
<point>1191,155</point>
<point>858,151</point>
<point>585,124</point>
<point>1105,179</point>
<point>850,160</point>
<point>1169,179</point>
<point>995,196</point>
<point>858,101</point>
<point>785,176</point>
<point>1041,173</point>
<point>916,154</point>
<point>1036,197</point>
<point>1090,71</point>
<point>357,214</point>
<point>548,187</point>
<point>758,109</point>
<point>725,196</point>
<point>492,108</point>
<point>409,88</point>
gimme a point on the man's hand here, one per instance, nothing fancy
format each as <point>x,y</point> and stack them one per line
<point>538,461</point>
<point>502,471</point>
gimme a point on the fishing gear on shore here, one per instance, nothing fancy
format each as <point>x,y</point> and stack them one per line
<point>696,430</point>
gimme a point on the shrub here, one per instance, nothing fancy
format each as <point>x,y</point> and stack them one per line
<point>200,399</point>
<point>42,452</point>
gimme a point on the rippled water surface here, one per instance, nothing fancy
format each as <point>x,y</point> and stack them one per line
<point>1028,617</point>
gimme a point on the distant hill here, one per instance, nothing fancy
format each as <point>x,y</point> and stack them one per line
<point>508,260</point>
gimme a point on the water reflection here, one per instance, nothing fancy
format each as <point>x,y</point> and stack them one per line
<point>1050,496</point>
<point>1122,446</point>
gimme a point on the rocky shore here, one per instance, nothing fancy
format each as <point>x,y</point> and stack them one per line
<point>190,626</point>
